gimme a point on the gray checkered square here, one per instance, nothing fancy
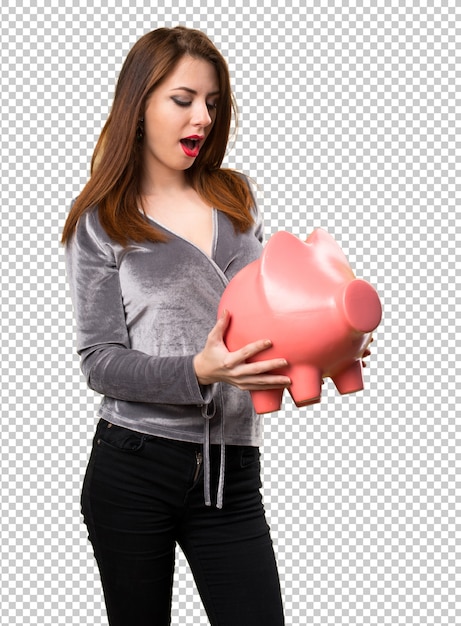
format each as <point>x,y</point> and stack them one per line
<point>349,120</point>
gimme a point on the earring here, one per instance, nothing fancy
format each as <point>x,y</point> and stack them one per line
<point>140,129</point>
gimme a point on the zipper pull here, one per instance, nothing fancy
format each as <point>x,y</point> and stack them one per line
<point>199,460</point>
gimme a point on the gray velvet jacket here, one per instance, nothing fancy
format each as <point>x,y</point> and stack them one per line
<point>142,313</point>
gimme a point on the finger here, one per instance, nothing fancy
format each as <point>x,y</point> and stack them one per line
<point>251,350</point>
<point>251,386</point>
<point>242,356</point>
<point>262,367</point>
<point>264,382</point>
<point>225,318</point>
<point>239,361</point>
<point>219,329</point>
<point>260,374</point>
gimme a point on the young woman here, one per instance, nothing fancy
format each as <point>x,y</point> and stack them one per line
<point>151,242</point>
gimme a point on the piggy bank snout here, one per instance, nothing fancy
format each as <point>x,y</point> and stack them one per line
<point>361,306</point>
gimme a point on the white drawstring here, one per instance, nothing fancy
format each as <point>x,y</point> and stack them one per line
<point>220,495</point>
<point>208,412</point>
<point>206,463</point>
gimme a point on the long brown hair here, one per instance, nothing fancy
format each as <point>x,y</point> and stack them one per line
<point>113,186</point>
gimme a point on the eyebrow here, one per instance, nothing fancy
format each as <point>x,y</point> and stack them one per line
<point>192,91</point>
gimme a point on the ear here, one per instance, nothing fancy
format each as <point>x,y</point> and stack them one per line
<point>282,254</point>
<point>293,272</point>
<point>326,248</point>
<point>284,271</point>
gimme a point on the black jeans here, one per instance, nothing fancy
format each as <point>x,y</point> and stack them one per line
<point>142,495</point>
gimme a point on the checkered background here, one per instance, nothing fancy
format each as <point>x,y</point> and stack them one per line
<point>349,120</point>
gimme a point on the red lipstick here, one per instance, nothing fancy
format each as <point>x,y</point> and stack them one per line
<point>191,145</point>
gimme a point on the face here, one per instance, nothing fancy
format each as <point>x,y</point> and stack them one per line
<point>179,116</point>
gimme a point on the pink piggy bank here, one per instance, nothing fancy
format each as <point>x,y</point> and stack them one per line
<point>305,298</point>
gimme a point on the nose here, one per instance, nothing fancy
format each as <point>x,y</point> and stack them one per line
<point>201,115</point>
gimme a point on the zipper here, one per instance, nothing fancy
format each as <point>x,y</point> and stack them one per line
<point>198,460</point>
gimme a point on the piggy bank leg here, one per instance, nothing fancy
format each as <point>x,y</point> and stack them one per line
<point>267,401</point>
<point>350,379</point>
<point>306,384</point>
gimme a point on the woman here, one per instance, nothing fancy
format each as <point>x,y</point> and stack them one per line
<point>151,242</point>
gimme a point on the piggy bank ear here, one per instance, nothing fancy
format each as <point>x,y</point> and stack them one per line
<point>294,273</point>
<point>320,252</point>
<point>326,250</point>
<point>284,266</point>
<point>280,253</point>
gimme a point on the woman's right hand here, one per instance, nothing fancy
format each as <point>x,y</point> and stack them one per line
<point>216,364</point>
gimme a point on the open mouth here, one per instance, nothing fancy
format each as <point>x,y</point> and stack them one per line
<point>191,146</point>
<point>190,143</point>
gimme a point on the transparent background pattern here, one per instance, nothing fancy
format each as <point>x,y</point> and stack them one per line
<point>349,121</point>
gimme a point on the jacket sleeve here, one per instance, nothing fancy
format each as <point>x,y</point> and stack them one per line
<point>108,363</point>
